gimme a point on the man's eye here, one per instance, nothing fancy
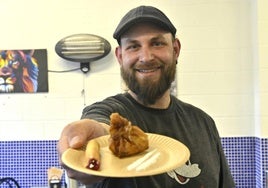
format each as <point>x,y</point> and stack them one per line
<point>158,44</point>
<point>132,47</point>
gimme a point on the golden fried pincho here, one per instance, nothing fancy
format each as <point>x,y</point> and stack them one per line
<point>126,139</point>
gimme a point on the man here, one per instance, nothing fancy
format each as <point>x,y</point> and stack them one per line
<point>147,53</point>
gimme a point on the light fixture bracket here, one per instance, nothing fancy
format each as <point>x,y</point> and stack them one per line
<point>85,67</point>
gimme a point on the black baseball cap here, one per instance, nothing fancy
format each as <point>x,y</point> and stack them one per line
<point>143,14</point>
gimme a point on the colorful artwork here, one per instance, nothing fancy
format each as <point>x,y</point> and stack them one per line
<point>23,71</point>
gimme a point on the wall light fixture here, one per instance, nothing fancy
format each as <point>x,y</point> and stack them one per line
<point>83,48</point>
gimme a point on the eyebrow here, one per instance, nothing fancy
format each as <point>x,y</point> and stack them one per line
<point>129,40</point>
<point>158,37</point>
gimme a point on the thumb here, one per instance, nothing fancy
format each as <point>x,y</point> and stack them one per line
<point>78,142</point>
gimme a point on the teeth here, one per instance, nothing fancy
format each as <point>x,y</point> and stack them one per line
<point>6,88</point>
<point>146,71</point>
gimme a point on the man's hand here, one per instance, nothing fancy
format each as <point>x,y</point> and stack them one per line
<point>76,135</point>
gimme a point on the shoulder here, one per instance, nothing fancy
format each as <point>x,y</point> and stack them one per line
<point>102,110</point>
<point>195,116</point>
<point>109,102</point>
<point>189,108</point>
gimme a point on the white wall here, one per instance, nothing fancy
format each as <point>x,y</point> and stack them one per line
<point>218,70</point>
<point>263,66</point>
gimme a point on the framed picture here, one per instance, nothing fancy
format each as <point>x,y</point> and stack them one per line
<point>23,71</point>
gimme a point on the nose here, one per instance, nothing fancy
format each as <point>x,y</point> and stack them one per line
<point>146,54</point>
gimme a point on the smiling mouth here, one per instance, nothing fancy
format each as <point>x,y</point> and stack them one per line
<point>147,70</point>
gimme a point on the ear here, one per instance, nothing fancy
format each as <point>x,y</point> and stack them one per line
<point>118,53</point>
<point>177,47</point>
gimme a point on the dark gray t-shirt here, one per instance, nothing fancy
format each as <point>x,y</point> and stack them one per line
<point>207,167</point>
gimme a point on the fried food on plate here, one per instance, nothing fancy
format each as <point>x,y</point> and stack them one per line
<point>93,155</point>
<point>126,139</point>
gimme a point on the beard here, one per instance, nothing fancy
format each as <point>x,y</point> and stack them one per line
<point>148,91</point>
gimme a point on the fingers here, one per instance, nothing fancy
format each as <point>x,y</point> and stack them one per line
<point>76,134</point>
<point>62,144</point>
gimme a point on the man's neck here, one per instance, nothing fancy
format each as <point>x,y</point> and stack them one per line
<point>161,103</point>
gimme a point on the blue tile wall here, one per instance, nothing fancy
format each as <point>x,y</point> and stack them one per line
<point>264,159</point>
<point>240,153</point>
<point>28,161</point>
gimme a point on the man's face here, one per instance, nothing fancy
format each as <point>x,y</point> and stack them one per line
<point>148,56</point>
